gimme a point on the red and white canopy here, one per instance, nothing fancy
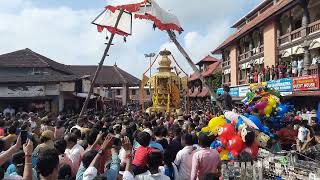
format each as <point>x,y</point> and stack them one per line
<point>142,9</point>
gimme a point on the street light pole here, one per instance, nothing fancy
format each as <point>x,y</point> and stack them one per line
<point>150,56</point>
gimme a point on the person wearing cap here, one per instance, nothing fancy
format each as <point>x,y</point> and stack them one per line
<point>46,140</point>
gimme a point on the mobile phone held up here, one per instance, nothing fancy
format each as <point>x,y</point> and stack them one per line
<point>24,136</point>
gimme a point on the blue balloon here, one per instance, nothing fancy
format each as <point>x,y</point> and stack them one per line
<point>216,144</point>
<point>257,122</point>
<point>230,156</point>
<point>240,122</point>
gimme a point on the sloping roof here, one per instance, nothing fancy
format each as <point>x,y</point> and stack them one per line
<point>261,18</point>
<point>211,69</point>
<point>38,79</point>
<point>109,75</point>
<point>26,58</point>
<point>261,5</point>
<point>208,59</point>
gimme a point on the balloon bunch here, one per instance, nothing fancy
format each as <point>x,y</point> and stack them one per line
<point>237,132</point>
<point>264,103</point>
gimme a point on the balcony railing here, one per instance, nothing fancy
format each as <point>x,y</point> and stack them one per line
<point>259,50</point>
<point>314,27</point>
<point>284,39</point>
<point>296,34</point>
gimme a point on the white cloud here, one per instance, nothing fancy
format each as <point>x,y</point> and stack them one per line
<point>66,35</point>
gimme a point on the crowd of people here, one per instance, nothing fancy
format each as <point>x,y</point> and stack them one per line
<point>278,71</point>
<point>128,144</point>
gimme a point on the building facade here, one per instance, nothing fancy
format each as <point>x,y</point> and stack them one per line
<point>276,43</point>
<point>32,82</point>
<point>275,32</point>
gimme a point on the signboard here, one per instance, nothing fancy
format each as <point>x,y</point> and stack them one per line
<point>67,86</point>
<point>234,91</point>
<point>243,90</point>
<point>305,83</point>
<point>22,91</point>
<point>52,89</point>
<point>281,85</point>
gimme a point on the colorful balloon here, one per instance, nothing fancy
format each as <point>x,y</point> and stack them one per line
<point>235,145</point>
<point>215,124</point>
<point>261,105</point>
<point>224,155</point>
<point>226,132</point>
<point>231,116</point>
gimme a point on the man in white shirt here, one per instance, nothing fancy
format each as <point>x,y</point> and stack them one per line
<point>300,64</point>
<point>73,151</point>
<point>9,110</point>
<point>184,157</point>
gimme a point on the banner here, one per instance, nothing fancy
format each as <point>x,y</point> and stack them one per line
<point>281,85</point>
<point>243,90</point>
<point>305,83</point>
<point>22,91</point>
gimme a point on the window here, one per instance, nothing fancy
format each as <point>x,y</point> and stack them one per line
<point>148,92</point>
<point>133,92</point>
<point>118,92</point>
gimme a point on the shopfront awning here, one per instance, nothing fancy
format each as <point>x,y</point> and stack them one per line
<point>203,93</point>
<point>315,44</point>
<point>286,53</point>
<point>297,50</point>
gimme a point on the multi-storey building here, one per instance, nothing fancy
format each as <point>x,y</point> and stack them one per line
<point>208,66</point>
<point>274,32</point>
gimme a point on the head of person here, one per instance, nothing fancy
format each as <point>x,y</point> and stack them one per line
<point>71,140</point>
<point>12,129</point>
<point>18,161</point>
<point>46,136</point>
<point>48,162</point>
<point>204,140</point>
<point>155,160</point>
<point>158,131</point>
<point>177,131</point>
<point>88,157</point>
<point>65,172</point>
<point>92,136</point>
<point>143,138</point>
<point>60,146</point>
<point>226,88</point>
<point>186,140</point>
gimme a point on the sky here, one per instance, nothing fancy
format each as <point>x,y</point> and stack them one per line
<point>62,30</point>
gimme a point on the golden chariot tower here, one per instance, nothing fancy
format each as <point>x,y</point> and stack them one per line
<point>166,86</point>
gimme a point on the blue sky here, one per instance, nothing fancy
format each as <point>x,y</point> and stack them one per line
<point>61,30</point>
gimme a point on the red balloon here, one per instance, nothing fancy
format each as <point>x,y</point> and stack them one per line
<point>226,132</point>
<point>235,145</point>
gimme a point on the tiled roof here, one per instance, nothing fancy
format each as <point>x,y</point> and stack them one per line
<point>211,69</point>
<point>38,79</point>
<point>26,58</point>
<point>109,75</point>
<point>208,58</point>
<point>259,19</point>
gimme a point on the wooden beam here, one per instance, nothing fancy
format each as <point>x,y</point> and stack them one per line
<point>193,66</point>
<point>105,54</point>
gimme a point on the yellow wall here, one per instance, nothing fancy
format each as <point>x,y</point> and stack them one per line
<point>233,64</point>
<point>270,43</point>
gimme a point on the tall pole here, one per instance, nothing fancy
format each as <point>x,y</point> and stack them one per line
<point>85,104</point>
<point>194,67</point>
